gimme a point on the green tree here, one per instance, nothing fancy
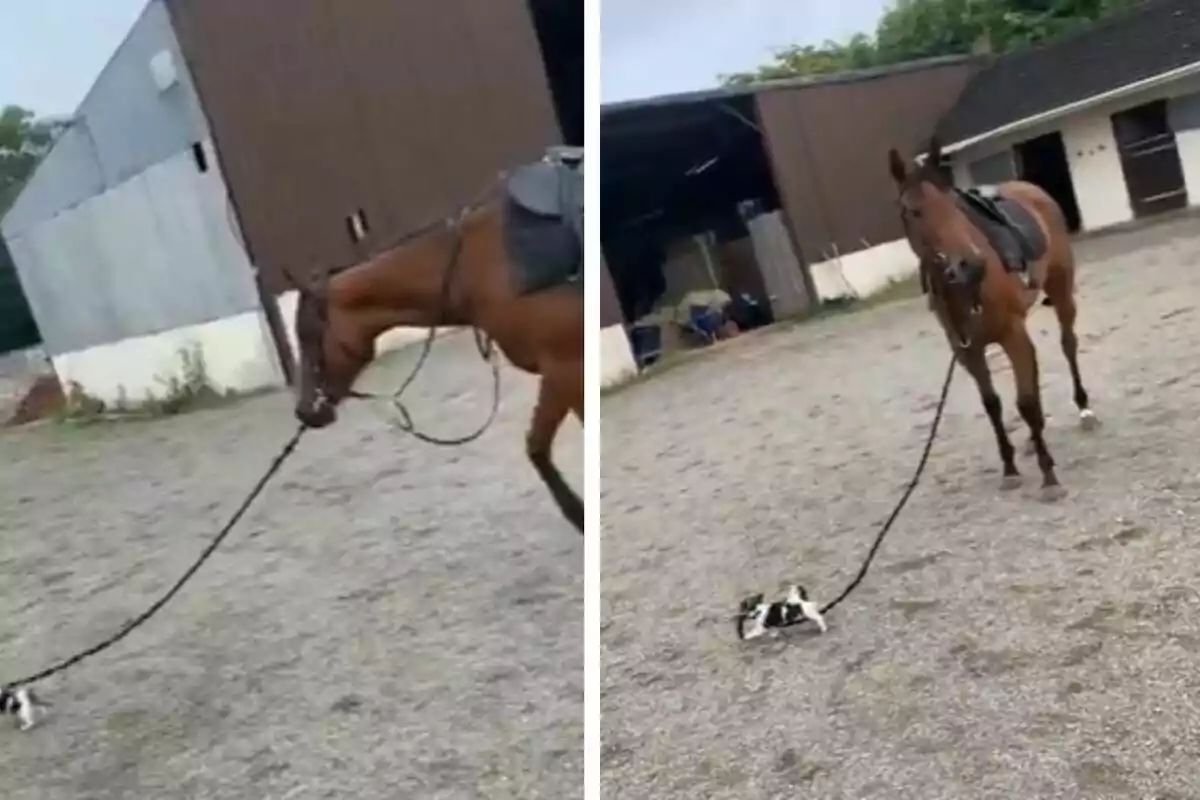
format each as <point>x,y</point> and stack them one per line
<point>912,29</point>
<point>24,141</point>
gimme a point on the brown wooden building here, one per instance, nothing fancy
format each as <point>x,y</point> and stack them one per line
<point>813,149</point>
<point>399,112</point>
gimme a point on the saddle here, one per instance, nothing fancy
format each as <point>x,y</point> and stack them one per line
<point>1011,230</point>
<point>543,220</point>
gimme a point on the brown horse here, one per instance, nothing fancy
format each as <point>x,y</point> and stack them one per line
<point>460,272</point>
<point>979,295</point>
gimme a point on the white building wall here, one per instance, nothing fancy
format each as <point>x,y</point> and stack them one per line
<point>864,272</point>
<point>617,363</point>
<point>158,248</point>
<point>144,255</point>
<point>1096,170</point>
<point>1189,155</point>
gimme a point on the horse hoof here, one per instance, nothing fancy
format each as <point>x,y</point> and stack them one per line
<point>1052,494</point>
<point>1088,420</point>
<point>1010,482</point>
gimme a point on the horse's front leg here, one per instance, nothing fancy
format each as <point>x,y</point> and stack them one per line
<point>555,400</point>
<point>1023,357</point>
<point>975,363</point>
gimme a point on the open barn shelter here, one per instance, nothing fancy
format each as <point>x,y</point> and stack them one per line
<point>779,191</point>
<point>229,140</point>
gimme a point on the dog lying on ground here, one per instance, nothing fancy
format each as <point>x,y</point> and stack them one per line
<point>23,704</point>
<point>759,617</point>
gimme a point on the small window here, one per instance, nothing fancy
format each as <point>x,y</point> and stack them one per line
<point>357,226</point>
<point>200,156</point>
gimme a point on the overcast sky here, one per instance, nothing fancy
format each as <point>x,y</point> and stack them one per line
<point>652,47</point>
<point>52,50</point>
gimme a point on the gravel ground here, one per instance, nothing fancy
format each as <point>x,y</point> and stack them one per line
<point>391,621</point>
<point>1000,648</point>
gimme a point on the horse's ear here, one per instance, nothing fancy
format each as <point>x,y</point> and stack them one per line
<point>896,165</point>
<point>935,151</point>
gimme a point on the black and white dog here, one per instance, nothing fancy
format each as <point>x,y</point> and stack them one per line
<point>23,704</point>
<point>758,616</point>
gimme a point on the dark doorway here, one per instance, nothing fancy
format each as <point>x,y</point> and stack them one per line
<point>18,329</point>
<point>559,25</point>
<point>1150,159</point>
<point>1043,161</point>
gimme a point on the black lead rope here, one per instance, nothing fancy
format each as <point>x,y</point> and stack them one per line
<point>142,618</point>
<point>887,525</point>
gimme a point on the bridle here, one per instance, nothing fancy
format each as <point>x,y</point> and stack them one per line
<point>935,259</point>
<point>483,342</point>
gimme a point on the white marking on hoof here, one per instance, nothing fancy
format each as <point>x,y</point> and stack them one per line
<point>1010,482</point>
<point>1088,420</point>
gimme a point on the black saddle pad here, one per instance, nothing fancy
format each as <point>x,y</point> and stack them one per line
<point>1012,231</point>
<point>543,223</point>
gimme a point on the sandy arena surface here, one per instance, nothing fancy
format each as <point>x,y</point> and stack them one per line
<point>391,620</point>
<point>1001,647</point>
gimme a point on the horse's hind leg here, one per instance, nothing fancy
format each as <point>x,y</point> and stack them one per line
<point>1064,308</point>
<point>1023,357</point>
<point>556,398</point>
<point>976,364</point>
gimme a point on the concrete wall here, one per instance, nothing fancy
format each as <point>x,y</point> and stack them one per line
<point>864,272</point>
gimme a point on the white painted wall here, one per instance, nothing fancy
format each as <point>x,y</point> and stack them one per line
<point>1096,170</point>
<point>1092,158</point>
<point>1189,156</point>
<point>616,356</point>
<point>237,351</point>
<point>156,249</point>
<point>865,272</point>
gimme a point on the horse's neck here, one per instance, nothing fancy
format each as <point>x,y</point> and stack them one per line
<point>405,286</point>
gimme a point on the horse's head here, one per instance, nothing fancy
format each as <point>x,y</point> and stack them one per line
<point>328,363</point>
<point>939,234</point>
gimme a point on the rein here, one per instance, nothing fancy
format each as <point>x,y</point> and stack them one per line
<point>167,596</point>
<point>484,345</point>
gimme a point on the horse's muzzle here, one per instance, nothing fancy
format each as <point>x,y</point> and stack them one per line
<point>319,414</point>
<point>964,271</point>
